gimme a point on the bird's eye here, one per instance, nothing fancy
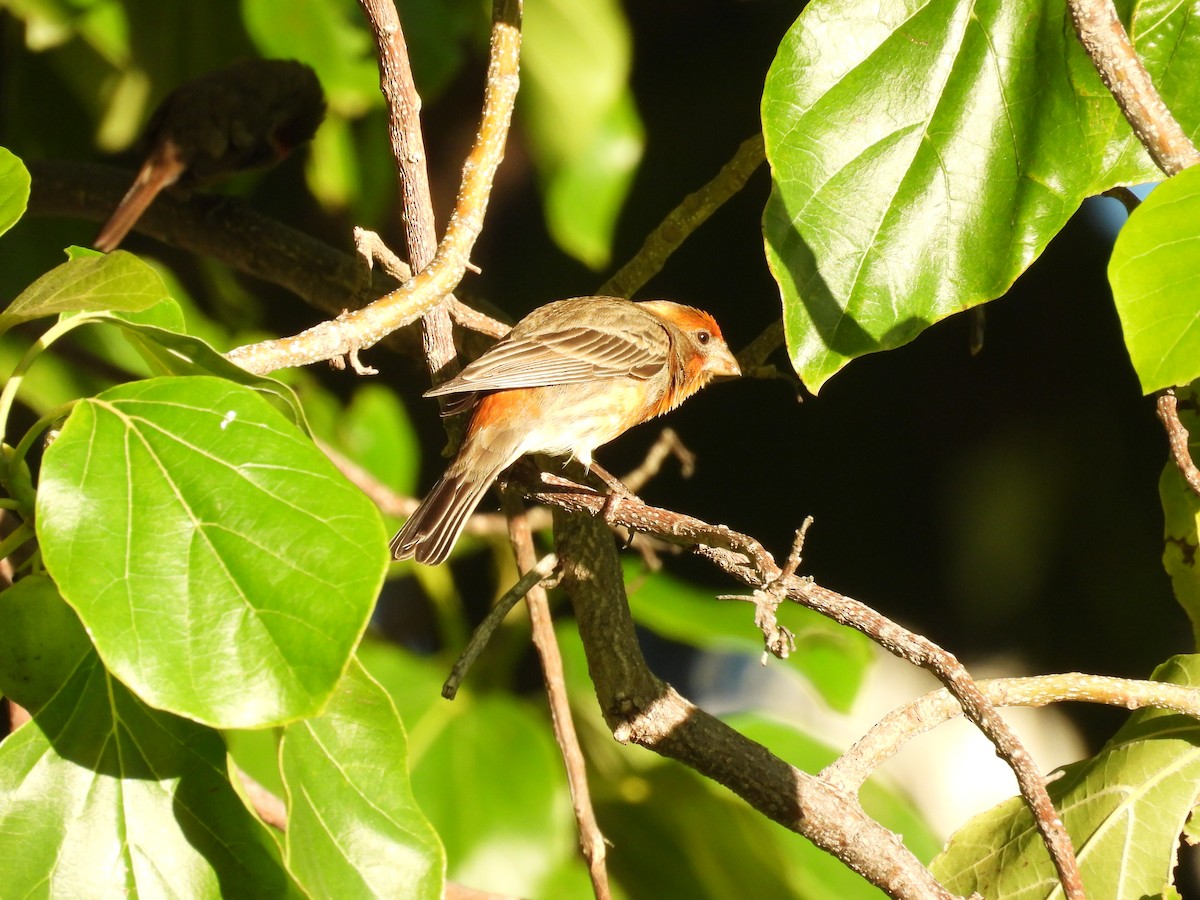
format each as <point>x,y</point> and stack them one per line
<point>703,337</point>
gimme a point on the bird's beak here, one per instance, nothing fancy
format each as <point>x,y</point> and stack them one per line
<point>722,364</point>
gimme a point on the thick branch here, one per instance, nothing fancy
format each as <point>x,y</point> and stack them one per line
<point>746,559</point>
<point>642,709</point>
<point>220,228</point>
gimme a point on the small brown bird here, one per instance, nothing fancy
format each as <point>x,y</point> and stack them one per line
<point>570,376</point>
<point>247,115</point>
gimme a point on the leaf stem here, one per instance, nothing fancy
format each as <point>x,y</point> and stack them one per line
<point>23,533</point>
<point>52,334</point>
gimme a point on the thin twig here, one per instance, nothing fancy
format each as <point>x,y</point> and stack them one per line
<point>1107,43</point>
<point>1178,437</point>
<point>365,327</point>
<point>667,444</point>
<point>901,725</point>
<point>270,808</point>
<point>686,218</point>
<point>746,559</point>
<point>537,573</point>
<point>591,840</point>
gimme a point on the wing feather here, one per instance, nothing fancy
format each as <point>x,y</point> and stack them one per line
<point>567,355</point>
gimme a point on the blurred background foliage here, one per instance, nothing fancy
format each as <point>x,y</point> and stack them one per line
<point>1003,504</point>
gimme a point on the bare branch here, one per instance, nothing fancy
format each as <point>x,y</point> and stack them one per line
<point>1107,43</point>
<point>591,840</point>
<point>684,219</point>
<point>667,444</point>
<point>535,575</point>
<point>746,559</point>
<point>926,713</point>
<point>643,710</point>
<point>367,326</point>
<point>1177,435</point>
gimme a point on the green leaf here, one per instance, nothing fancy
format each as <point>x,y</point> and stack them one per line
<point>1181,517</point>
<point>328,35</point>
<point>41,642</point>
<point>14,189</point>
<point>354,829</point>
<point>168,352</point>
<point>504,817</point>
<point>924,154</point>
<point>118,281</point>
<point>223,567</point>
<point>1126,806</point>
<point>376,433</point>
<point>585,133</point>
<point>1155,277</point>
<point>103,796</point>
<point>832,657</point>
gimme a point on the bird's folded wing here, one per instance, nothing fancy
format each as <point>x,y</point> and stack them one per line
<point>566,356</point>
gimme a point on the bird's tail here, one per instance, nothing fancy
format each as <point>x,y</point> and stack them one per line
<point>161,170</point>
<point>432,530</point>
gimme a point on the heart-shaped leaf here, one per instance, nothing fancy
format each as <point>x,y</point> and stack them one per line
<point>223,567</point>
<point>14,189</point>
<point>102,796</point>
<point>354,829</point>
<point>1155,277</point>
<point>925,152</point>
<point>1126,806</point>
<point>118,281</point>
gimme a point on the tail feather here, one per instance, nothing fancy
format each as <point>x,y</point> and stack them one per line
<point>160,171</point>
<point>432,530</point>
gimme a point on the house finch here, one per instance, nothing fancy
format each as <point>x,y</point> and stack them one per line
<point>570,376</point>
<point>247,115</point>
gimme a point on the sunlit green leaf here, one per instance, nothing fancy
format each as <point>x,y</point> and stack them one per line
<point>14,189</point>
<point>1155,277</point>
<point>832,657</point>
<point>1126,806</point>
<point>41,642</point>
<point>924,152</point>
<point>377,434</point>
<point>117,281</point>
<point>169,352</point>
<point>504,817</point>
<point>354,829</point>
<point>102,796</point>
<point>223,567</point>
<point>585,132</point>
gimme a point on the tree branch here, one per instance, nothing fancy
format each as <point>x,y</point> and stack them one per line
<point>684,219</point>
<point>643,710</point>
<point>747,560</point>
<point>591,840</point>
<point>901,725</point>
<point>408,150</point>
<point>365,327</point>
<point>1107,43</point>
